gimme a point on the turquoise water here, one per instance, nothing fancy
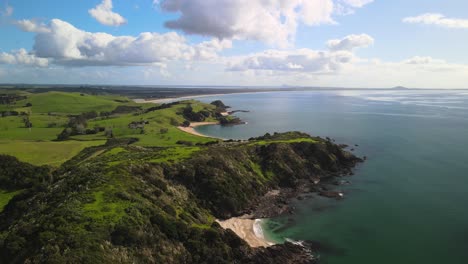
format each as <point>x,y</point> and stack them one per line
<point>407,203</point>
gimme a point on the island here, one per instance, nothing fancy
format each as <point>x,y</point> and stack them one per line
<point>98,178</point>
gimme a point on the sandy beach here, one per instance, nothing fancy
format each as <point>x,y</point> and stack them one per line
<point>191,129</point>
<point>172,99</point>
<point>244,228</point>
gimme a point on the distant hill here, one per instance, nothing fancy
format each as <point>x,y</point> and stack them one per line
<point>399,88</point>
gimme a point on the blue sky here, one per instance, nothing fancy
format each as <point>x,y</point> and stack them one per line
<point>346,43</point>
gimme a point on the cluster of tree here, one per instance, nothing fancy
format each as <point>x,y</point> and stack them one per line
<point>78,125</point>
<point>185,143</point>
<point>9,113</point>
<point>15,175</point>
<point>160,107</point>
<point>229,121</point>
<point>125,109</point>
<point>27,122</point>
<point>220,105</point>
<point>185,123</point>
<point>138,124</point>
<point>283,136</point>
<point>192,116</point>
<point>11,98</point>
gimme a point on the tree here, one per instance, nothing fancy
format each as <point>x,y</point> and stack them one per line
<point>219,104</point>
<point>109,133</point>
<point>64,135</point>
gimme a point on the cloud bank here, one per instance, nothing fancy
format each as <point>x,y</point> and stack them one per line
<point>350,42</point>
<point>272,21</point>
<point>22,57</point>
<point>438,20</point>
<point>68,45</point>
<point>339,54</point>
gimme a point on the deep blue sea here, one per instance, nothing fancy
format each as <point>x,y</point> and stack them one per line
<point>408,203</point>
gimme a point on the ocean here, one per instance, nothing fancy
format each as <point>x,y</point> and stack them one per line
<point>407,203</point>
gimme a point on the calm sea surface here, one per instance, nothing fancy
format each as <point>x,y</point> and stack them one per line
<point>407,204</point>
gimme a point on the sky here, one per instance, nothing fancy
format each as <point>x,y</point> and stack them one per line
<point>315,43</point>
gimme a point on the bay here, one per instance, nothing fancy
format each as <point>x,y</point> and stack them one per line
<point>407,203</point>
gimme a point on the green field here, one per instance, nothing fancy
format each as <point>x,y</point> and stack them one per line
<point>50,113</point>
<point>46,152</point>
<point>72,103</point>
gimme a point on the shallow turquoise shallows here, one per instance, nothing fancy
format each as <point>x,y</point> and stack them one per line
<point>407,204</point>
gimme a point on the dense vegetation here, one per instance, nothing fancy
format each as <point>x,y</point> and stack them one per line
<point>140,197</point>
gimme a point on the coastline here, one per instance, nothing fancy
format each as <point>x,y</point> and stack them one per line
<point>248,229</point>
<point>168,100</point>
<point>191,129</point>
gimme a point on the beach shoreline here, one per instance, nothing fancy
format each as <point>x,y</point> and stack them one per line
<point>171,99</point>
<point>249,230</point>
<point>191,129</point>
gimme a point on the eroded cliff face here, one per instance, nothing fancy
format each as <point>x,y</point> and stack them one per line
<point>124,204</point>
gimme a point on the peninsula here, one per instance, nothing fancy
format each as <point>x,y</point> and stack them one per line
<point>101,179</point>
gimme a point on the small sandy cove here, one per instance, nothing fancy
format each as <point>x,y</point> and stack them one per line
<point>244,228</point>
<point>191,129</point>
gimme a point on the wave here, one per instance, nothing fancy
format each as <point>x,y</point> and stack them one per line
<point>302,244</point>
<point>257,228</point>
<point>296,242</point>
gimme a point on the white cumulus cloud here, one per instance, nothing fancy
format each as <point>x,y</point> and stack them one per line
<point>437,20</point>
<point>300,60</point>
<point>350,42</point>
<point>103,14</point>
<point>339,55</point>
<point>31,26</point>
<point>22,57</point>
<point>68,45</point>
<point>271,21</point>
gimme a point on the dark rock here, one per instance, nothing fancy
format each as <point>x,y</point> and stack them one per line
<point>288,253</point>
<point>332,194</point>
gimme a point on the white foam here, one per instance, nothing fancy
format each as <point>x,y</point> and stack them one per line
<point>301,244</point>
<point>257,227</point>
<point>295,242</point>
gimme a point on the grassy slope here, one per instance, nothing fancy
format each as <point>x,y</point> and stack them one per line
<point>5,197</point>
<point>72,103</point>
<point>45,153</point>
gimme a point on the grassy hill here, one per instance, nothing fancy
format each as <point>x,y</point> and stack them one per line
<point>71,103</point>
<point>49,114</point>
